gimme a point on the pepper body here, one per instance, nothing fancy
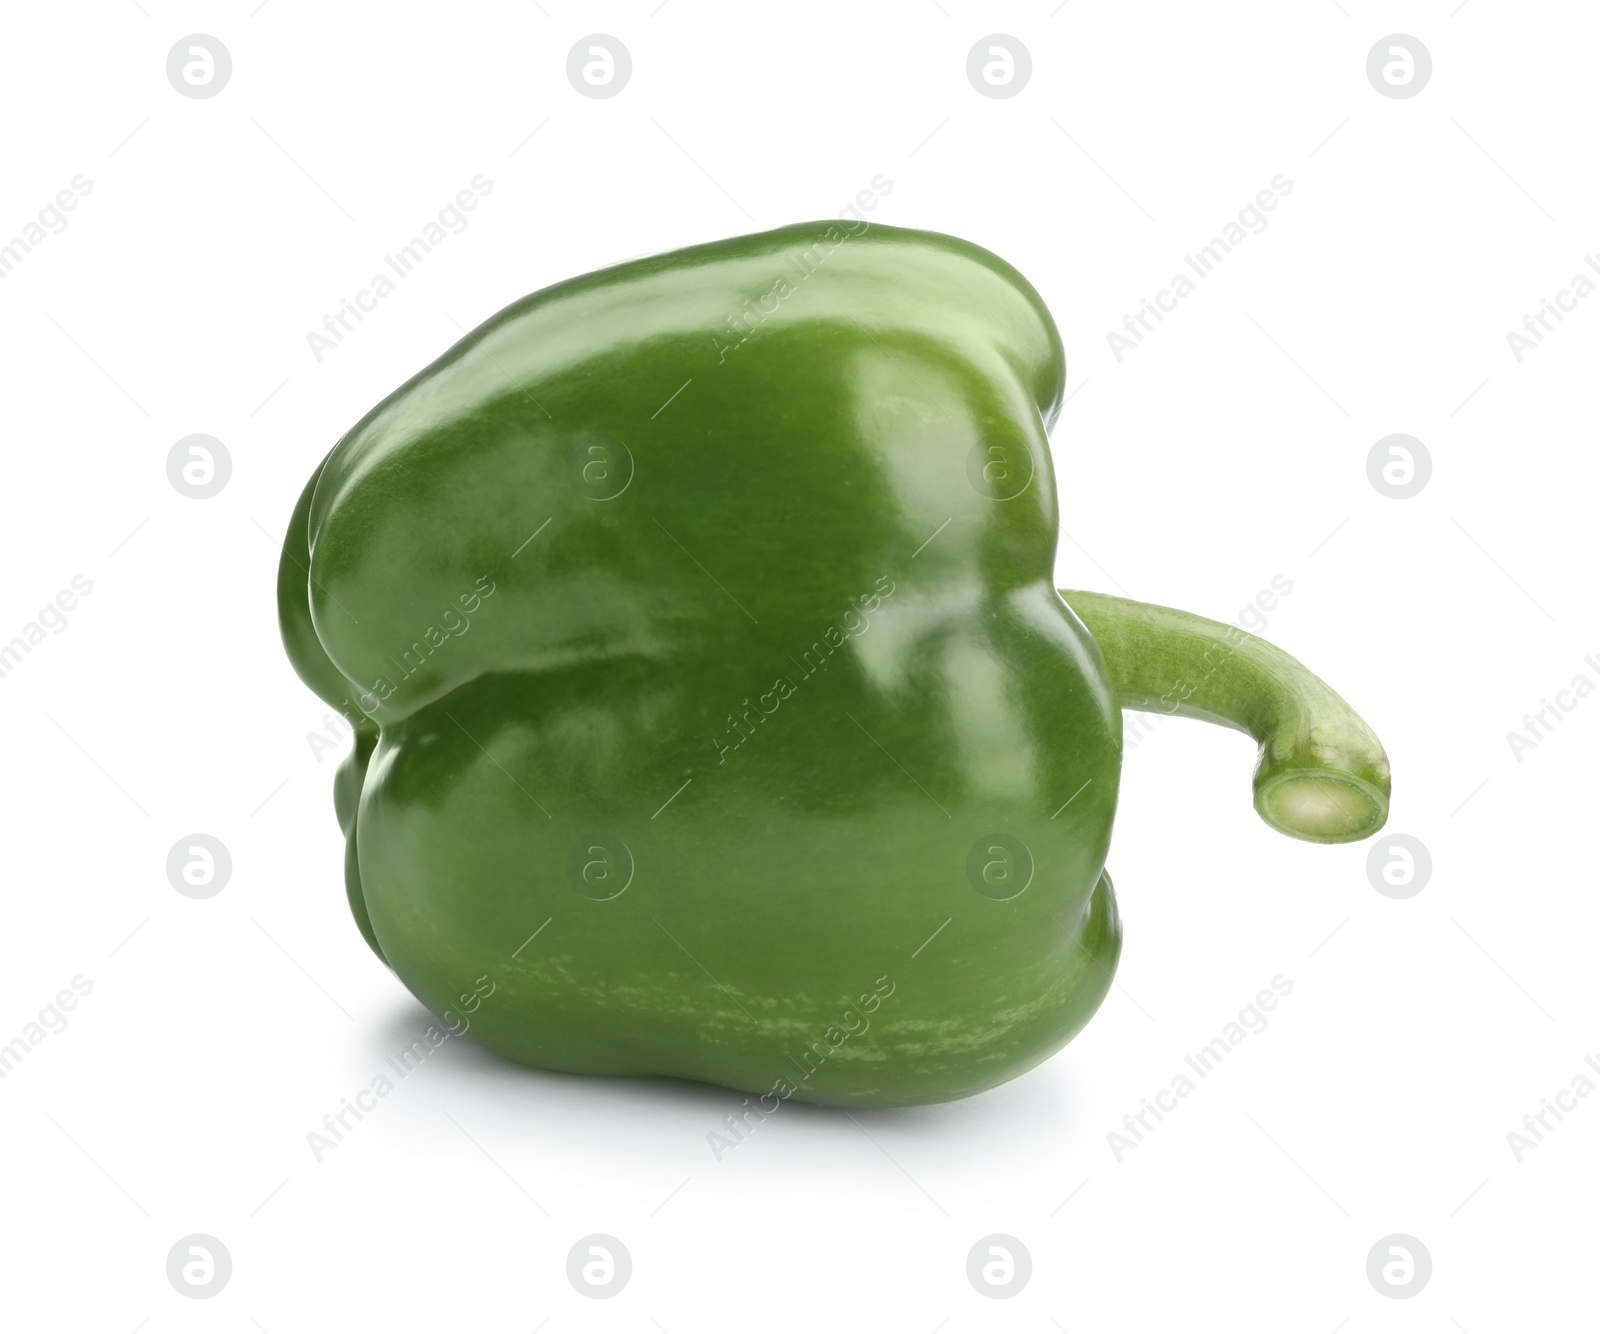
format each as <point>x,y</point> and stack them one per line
<point>716,714</point>
<point>713,699</point>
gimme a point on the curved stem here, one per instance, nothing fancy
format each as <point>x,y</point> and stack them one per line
<point>1321,774</point>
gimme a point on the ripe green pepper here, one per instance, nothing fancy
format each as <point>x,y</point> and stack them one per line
<point>716,715</point>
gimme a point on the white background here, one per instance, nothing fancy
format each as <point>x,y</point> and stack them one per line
<point>1229,448</point>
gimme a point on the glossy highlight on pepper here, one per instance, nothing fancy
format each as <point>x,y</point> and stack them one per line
<point>712,697</point>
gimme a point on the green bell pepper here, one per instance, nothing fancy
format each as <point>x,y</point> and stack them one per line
<point>716,715</point>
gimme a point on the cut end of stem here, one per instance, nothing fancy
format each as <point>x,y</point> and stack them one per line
<point>1321,806</point>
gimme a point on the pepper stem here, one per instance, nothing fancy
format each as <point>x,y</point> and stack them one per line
<point>1321,774</point>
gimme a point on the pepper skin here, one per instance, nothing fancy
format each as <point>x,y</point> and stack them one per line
<point>716,715</point>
